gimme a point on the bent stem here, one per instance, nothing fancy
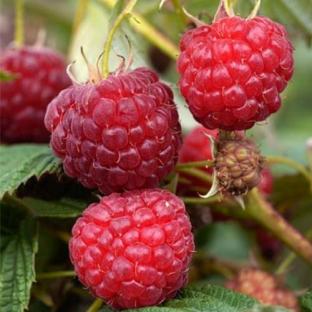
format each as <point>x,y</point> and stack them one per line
<point>263,212</point>
<point>95,306</point>
<point>19,23</point>
<point>55,274</point>
<point>141,26</point>
<point>107,46</point>
<point>291,163</point>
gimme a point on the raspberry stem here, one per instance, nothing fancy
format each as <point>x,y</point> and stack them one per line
<point>179,10</point>
<point>108,44</point>
<point>197,173</point>
<point>80,13</point>
<point>95,306</point>
<point>196,164</point>
<point>19,23</point>
<point>291,163</point>
<point>255,9</point>
<point>55,274</point>
<point>140,25</point>
<point>199,200</point>
<point>264,213</point>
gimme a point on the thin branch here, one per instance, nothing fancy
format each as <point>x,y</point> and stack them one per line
<point>143,27</point>
<point>264,213</point>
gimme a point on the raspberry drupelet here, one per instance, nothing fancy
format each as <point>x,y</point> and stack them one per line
<point>39,74</point>
<point>233,71</point>
<point>121,133</point>
<point>133,249</point>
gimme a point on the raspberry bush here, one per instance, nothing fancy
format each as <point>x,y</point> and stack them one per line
<point>128,179</point>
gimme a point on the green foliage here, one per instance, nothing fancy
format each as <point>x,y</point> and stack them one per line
<point>205,298</point>
<point>227,241</point>
<point>5,76</point>
<point>18,163</point>
<point>61,208</point>
<point>17,267</point>
<point>306,301</point>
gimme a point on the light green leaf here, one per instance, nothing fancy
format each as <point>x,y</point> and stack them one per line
<point>17,267</point>
<point>92,35</point>
<point>306,301</point>
<point>18,163</point>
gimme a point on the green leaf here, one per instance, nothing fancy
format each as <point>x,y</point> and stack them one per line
<point>225,240</point>
<point>6,76</point>
<point>18,163</point>
<point>210,298</point>
<point>17,267</point>
<point>306,301</point>
<point>62,208</point>
<point>92,35</point>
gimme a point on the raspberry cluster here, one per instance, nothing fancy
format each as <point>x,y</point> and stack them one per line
<point>233,71</point>
<point>133,249</point>
<point>264,287</point>
<point>39,75</point>
<point>122,133</point>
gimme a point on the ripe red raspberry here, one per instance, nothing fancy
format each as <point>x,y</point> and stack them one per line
<point>133,249</point>
<point>120,134</point>
<point>40,76</point>
<point>233,71</point>
<point>266,181</point>
<point>264,287</point>
<point>196,145</point>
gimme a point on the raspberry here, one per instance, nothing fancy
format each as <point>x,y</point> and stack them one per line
<point>266,181</point>
<point>268,243</point>
<point>196,145</point>
<point>264,287</point>
<point>133,249</point>
<point>40,76</point>
<point>120,134</point>
<point>233,71</point>
<point>238,165</point>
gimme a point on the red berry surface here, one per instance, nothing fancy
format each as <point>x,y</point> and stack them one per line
<point>120,134</point>
<point>133,249</point>
<point>196,145</point>
<point>264,287</point>
<point>233,71</point>
<point>266,181</point>
<point>40,76</point>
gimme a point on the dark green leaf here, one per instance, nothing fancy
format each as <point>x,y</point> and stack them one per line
<point>227,241</point>
<point>18,163</point>
<point>306,301</point>
<point>62,208</point>
<point>17,267</point>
